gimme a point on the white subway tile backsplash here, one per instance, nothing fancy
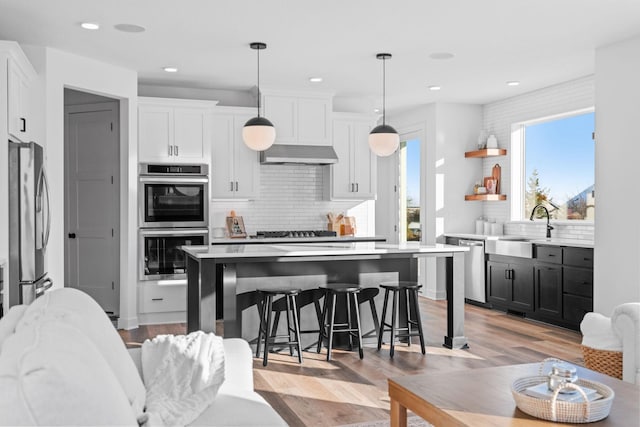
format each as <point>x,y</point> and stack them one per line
<point>560,230</point>
<point>291,198</point>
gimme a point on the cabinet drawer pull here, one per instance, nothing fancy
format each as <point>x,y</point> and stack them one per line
<point>236,185</point>
<point>175,149</point>
<point>157,299</point>
<point>231,185</point>
<point>24,124</point>
<point>357,188</point>
<point>550,255</point>
<point>586,259</point>
<point>171,150</point>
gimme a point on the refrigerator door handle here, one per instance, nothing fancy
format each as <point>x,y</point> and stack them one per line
<point>46,284</point>
<point>39,225</point>
<point>47,230</point>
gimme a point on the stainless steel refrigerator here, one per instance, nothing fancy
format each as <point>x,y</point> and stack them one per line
<point>29,223</point>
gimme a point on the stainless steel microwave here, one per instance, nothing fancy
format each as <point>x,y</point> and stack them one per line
<point>173,196</point>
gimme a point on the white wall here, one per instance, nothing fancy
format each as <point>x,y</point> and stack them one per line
<point>62,70</point>
<point>224,97</point>
<point>617,233</point>
<point>446,132</point>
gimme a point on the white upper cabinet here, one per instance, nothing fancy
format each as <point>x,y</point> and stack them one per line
<point>354,176</point>
<point>235,168</point>
<point>299,118</point>
<point>20,74</point>
<point>174,130</point>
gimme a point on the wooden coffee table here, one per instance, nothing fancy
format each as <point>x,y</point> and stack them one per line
<point>482,397</point>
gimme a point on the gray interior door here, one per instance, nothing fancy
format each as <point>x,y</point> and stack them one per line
<point>92,202</point>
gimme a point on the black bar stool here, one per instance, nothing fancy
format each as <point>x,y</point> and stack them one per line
<point>304,298</point>
<point>268,331</point>
<point>328,327</point>
<point>410,290</point>
<point>369,295</point>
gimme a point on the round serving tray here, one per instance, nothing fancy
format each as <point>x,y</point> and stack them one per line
<point>557,410</point>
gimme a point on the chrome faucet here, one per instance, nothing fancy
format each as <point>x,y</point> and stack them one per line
<point>549,227</point>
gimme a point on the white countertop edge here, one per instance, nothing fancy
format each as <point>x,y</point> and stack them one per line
<point>578,243</point>
<point>326,249</point>
<point>267,240</point>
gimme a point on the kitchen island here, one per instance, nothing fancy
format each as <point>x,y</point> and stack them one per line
<point>231,271</point>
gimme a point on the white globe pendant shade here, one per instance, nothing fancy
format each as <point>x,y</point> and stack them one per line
<point>258,134</point>
<point>384,140</point>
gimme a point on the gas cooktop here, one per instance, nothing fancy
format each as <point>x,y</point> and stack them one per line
<point>297,233</point>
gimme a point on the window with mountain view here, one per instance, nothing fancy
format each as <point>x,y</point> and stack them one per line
<point>559,164</point>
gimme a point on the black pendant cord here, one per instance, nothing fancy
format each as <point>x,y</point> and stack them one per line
<point>258,81</point>
<point>384,97</point>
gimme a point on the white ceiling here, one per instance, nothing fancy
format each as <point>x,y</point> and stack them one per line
<point>539,43</point>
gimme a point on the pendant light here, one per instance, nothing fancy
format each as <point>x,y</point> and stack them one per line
<point>383,139</point>
<point>258,133</point>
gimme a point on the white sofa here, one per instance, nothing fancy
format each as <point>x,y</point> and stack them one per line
<point>63,363</point>
<point>620,332</point>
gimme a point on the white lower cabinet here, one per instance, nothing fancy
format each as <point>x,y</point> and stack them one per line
<point>173,130</point>
<point>154,298</point>
<point>235,168</point>
<point>354,176</point>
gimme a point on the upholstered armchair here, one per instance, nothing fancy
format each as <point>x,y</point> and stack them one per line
<point>605,338</point>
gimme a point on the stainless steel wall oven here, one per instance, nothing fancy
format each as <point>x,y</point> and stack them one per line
<point>173,196</point>
<point>173,211</point>
<point>160,256</point>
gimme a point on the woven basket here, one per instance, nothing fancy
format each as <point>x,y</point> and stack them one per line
<point>557,410</point>
<point>604,361</point>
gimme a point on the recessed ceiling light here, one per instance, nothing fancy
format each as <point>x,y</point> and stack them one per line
<point>129,28</point>
<point>513,83</point>
<point>90,25</point>
<point>170,69</point>
<point>441,55</point>
<point>434,87</point>
<point>376,110</point>
<point>315,79</point>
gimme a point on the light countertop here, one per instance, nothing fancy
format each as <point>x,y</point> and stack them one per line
<point>324,249</point>
<point>271,240</point>
<point>578,243</point>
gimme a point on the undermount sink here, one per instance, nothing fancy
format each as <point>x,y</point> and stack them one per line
<point>521,247</point>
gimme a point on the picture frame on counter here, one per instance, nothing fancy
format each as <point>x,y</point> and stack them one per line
<point>235,227</point>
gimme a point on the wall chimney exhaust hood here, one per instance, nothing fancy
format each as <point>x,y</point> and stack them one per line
<point>279,154</point>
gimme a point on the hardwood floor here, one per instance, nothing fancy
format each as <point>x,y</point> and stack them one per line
<point>349,390</point>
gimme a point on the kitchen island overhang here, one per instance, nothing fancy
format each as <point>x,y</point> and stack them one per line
<point>212,270</point>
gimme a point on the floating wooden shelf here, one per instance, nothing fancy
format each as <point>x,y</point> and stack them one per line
<point>486,197</point>
<point>487,152</point>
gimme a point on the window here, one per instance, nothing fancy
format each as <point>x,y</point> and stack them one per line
<point>410,229</point>
<point>557,167</point>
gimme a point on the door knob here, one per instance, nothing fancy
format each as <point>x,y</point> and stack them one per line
<point>72,235</point>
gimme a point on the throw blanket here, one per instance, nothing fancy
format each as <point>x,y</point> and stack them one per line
<point>597,332</point>
<point>182,375</point>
